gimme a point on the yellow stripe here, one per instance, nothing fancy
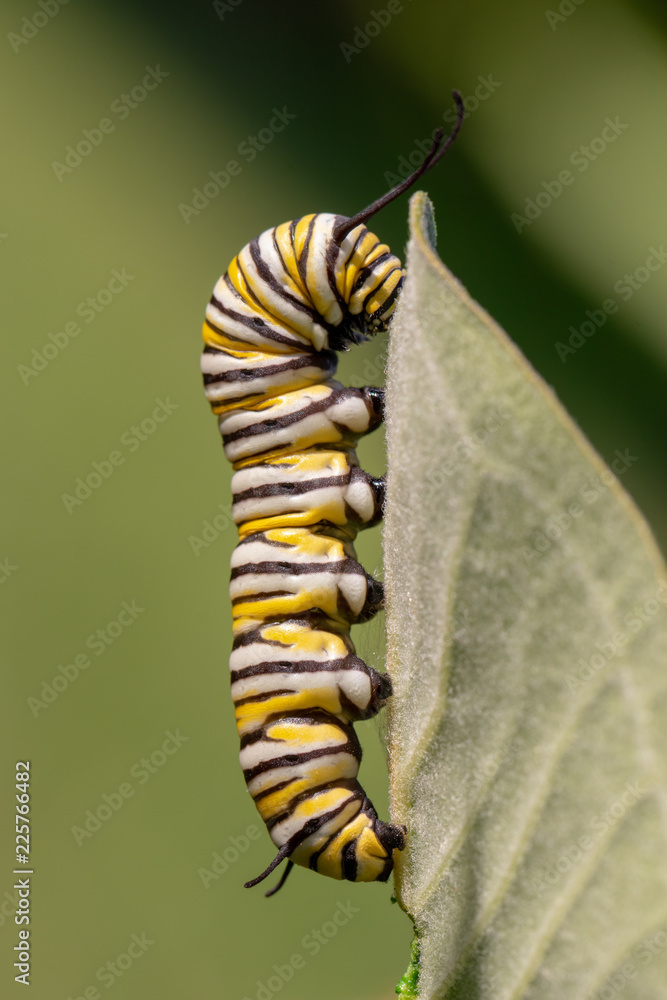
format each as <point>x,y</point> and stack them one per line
<point>307,640</point>
<point>334,512</point>
<point>333,436</point>
<point>356,262</point>
<point>313,544</point>
<point>251,716</point>
<point>330,861</point>
<point>311,599</point>
<point>383,294</point>
<point>242,287</point>
<point>327,625</point>
<point>301,234</point>
<point>371,856</point>
<point>323,463</point>
<point>284,241</point>
<point>291,381</point>
<point>277,803</point>
<point>320,802</point>
<point>302,734</point>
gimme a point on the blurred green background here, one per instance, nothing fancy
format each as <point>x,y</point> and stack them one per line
<point>540,83</point>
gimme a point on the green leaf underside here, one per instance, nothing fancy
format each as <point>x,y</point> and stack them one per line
<point>527,644</point>
<point>407,988</point>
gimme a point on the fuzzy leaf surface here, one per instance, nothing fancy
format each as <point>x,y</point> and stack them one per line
<point>527,645</point>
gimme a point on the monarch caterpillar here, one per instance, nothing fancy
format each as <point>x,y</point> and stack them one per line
<point>290,300</point>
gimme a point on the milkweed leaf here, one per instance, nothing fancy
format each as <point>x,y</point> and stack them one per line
<point>527,645</point>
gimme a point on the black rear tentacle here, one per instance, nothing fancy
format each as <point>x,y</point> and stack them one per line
<point>434,155</point>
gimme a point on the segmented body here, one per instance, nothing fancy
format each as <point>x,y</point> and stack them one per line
<point>288,302</point>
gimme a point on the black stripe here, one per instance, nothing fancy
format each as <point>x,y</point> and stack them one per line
<point>350,784</point>
<point>263,596</point>
<point>274,788</point>
<point>295,759</point>
<point>255,635</point>
<point>238,402</point>
<point>253,324</point>
<point>264,696</point>
<point>324,360</point>
<point>313,825</point>
<point>355,245</point>
<point>349,860</point>
<point>257,535</point>
<point>250,294</point>
<point>244,345</point>
<point>210,349</point>
<point>347,565</point>
<point>293,489</point>
<point>315,857</point>
<point>366,272</point>
<point>279,251</point>
<point>255,737</point>
<point>330,258</point>
<point>376,289</point>
<point>393,296</point>
<point>267,275</point>
<point>302,261</point>
<point>306,717</point>
<point>331,255</point>
<point>349,662</point>
<point>317,406</point>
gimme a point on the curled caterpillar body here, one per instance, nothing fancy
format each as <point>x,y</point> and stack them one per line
<point>288,302</point>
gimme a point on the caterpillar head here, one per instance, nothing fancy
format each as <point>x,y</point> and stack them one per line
<point>367,277</point>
